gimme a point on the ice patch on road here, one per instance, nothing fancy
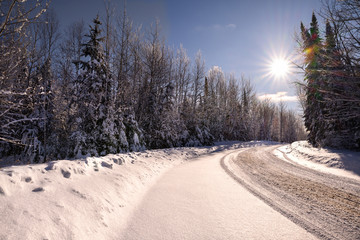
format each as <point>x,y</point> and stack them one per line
<point>338,162</point>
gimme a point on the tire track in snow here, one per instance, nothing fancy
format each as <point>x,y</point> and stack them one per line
<point>311,204</point>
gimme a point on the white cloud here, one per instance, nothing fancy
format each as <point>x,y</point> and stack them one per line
<point>231,26</point>
<point>279,96</point>
<point>217,27</point>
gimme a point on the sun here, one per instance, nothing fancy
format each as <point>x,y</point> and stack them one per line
<point>279,67</point>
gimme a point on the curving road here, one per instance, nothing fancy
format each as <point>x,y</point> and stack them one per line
<point>199,200</point>
<point>326,205</point>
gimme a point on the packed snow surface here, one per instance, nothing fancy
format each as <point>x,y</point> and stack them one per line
<point>81,199</point>
<point>119,195</point>
<point>199,200</point>
<point>90,198</point>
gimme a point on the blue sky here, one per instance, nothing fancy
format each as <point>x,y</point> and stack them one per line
<point>241,37</point>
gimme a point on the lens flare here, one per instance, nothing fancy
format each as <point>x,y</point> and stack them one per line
<point>280,67</point>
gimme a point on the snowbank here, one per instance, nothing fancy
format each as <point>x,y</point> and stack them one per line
<point>338,162</point>
<point>82,199</point>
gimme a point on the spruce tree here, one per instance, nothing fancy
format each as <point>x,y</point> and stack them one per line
<point>331,66</point>
<point>330,92</point>
<point>340,128</point>
<point>313,114</point>
<point>96,134</point>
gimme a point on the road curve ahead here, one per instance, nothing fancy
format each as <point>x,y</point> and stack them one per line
<point>199,200</point>
<point>326,205</point>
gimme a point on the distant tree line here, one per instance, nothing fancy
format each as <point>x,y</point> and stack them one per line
<point>331,90</point>
<point>114,88</point>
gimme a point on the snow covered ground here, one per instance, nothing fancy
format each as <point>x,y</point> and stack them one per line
<point>199,200</point>
<point>339,162</point>
<point>83,199</point>
<point>93,198</point>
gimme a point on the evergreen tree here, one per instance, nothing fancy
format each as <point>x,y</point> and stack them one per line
<point>340,128</point>
<point>331,91</point>
<point>96,132</point>
<point>313,114</point>
<point>331,66</point>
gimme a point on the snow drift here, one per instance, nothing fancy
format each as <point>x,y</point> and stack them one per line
<point>339,162</point>
<point>81,199</point>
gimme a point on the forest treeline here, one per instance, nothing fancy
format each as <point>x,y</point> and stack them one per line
<point>112,87</point>
<point>331,89</point>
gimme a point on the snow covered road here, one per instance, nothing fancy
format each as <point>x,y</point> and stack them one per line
<point>234,190</point>
<point>199,200</point>
<point>326,205</point>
